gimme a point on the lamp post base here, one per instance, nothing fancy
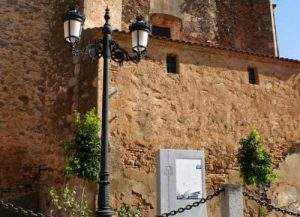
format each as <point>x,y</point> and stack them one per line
<point>104,213</point>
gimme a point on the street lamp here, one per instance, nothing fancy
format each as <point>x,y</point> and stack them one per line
<point>108,49</point>
<point>73,23</point>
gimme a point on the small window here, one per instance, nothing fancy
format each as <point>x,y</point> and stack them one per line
<point>172,64</point>
<point>253,75</point>
<point>161,31</point>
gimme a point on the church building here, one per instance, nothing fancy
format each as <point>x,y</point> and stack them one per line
<point>212,72</point>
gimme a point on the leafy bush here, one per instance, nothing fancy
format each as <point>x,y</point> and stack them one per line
<point>129,211</point>
<point>255,162</point>
<point>263,212</point>
<point>83,150</point>
<point>65,201</point>
<point>83,161</point>
<point>256,166</point>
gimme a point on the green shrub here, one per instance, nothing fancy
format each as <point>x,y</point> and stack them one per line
<point>263,212</point>
<point>83,150</point>
<point>83,161</point>
<point>255,162</point>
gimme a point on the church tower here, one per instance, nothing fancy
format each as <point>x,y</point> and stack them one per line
<point>247,25</point>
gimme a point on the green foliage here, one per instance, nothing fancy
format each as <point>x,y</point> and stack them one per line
<point>255,162</point>
<point>263,212</point>
<point>83,150</point>
<point>65,201</point>
<point>129,211</point>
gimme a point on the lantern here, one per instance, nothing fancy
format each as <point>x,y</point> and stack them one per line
<point>73,23</point>
<point>140,31</point>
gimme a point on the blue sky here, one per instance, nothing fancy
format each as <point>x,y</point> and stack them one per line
<point>288,28</point>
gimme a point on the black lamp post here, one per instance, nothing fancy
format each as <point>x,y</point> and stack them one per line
<point>108,49</point>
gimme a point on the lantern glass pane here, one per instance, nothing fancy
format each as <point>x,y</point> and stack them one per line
<point>75,28</point>
<point>134,39</point>
<point>139,40</point>
<point>72,30</point>
<point>143,37</point>
<point>66,29</point>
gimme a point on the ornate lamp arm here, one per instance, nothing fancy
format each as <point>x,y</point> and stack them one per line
<point>92,50</point>
<point>118,54</point>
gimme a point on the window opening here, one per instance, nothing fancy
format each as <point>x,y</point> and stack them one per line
<point>253,75</point>
<point>172,64</point>
<point>161,31</point>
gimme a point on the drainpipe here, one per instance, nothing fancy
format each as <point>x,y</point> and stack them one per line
<point>275,39</point>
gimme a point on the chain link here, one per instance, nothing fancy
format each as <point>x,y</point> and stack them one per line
<point>269,206</point>
<point>193,205</point>
<point>19,210</point>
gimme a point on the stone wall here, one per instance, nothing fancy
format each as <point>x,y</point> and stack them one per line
<point>24,64</point>
<point>197,17</point>
<point>132,8</point>
<point>240,24</point>
<point>199,20</point>
<point>39,92</point>
<point>246,25</point>
<point>286,189</point>
<point>95,9</point>
<point>208,106</point>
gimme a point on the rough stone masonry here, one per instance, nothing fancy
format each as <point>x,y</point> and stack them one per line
<point>209,105</point>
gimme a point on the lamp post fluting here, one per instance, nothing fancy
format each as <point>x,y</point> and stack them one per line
<point>108,49</point>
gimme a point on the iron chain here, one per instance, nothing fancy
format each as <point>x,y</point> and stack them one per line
<point>29,213</point>
<point>193,205</point>
<point>269,206</point>
<point>19,210</point>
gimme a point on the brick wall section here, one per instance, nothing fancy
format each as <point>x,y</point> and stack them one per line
<point>209,106</point>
